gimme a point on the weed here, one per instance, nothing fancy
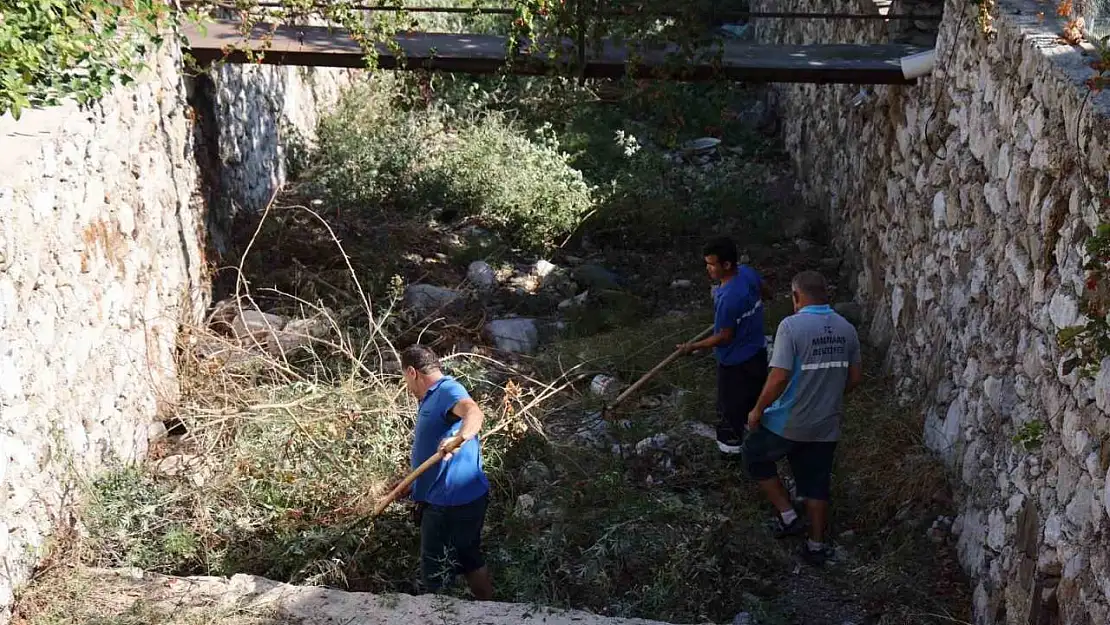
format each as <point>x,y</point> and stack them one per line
<point>1030,436</point>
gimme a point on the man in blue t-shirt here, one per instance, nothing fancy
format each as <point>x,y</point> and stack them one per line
<point>452,496</point>
<point>738,342</point>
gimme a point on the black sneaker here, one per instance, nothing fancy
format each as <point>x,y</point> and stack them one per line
<point>816,557</point>
<point>783,530</point>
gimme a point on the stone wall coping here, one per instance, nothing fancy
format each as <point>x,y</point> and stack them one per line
<point>1043,35</point>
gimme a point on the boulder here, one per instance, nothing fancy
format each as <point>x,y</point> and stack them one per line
<point>297,334</point>
<point>543,268</point>
<point>535,474</point>
<point>257,324</point>
<point>481,275</point>
<point>427,298</point>
<point>597,277</point>
<point>519,335</point>
<point>604,386</point>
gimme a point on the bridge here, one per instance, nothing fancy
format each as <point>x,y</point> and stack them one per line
<point>322,46</point>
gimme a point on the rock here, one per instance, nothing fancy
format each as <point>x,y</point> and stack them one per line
<point>481,275</point>
<point>525,506</point>
<point>519,335</point>
<point>704,430</point>
<point>804,245</point>
<point>577,300</point>
<point>1102,386</point>
<point>260,325</point>
<point>1106,493</point>
<point>652,443</point>
<point>851,311</point>
<point>535,474</point>
<point>222,316</point>
<point>424,299</point>
<point>179,465</point>
<point>681,284</point>
<point>155,431</point>
<point>297,334</point>
<point>593,430</point>
<point>604,386</point>
<point>543,268</point>
<point>1063,310</point>
<point>597,277</point>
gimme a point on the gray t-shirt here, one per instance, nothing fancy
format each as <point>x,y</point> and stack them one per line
<point>816,345</point>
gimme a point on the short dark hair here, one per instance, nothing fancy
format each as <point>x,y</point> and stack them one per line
<point>723,248</point>
<point>420,358</point>
<point>811,284</point>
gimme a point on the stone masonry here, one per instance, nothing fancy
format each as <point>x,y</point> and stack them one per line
<point>963,204</point>
<point>103,243</point>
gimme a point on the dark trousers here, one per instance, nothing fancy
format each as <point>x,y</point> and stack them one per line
<point>738,389</point>
<point>451,541</point>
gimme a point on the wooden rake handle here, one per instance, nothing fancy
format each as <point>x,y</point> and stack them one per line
<point>650,374</point>
<point>410,478</point>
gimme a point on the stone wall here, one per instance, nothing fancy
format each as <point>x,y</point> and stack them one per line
<point>103,244</point>
<point>963,205</point>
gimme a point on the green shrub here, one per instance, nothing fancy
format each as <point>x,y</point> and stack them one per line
<point>368,153</point>
<point>51,50</point>
<point>520,186</point>
<point>375,155</point>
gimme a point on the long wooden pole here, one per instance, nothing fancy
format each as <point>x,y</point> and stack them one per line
<point>650,374</point>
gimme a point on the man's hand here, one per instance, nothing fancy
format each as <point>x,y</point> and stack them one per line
<point>449,445</point>
<point>685,348</point>
<point>754,419</point>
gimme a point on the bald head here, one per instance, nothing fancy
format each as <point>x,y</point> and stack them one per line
<point>810,288</point>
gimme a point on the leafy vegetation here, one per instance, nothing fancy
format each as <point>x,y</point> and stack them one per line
<point>51,50</point>
<point>1091,338</point>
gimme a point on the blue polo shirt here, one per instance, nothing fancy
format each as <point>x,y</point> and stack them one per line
<point>737,303</point>
<point>461,479</point>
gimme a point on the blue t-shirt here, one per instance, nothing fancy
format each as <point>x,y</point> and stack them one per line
<point>461,479</point>
<point>737,303</point>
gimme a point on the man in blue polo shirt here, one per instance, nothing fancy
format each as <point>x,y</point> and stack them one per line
<point>452,496</point>
<point>738,342</point>
<point>816,361</point>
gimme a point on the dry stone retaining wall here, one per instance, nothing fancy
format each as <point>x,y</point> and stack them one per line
<point>964,204</point>
<point>102,257</point>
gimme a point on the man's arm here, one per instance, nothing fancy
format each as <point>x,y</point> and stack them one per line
<point>855,368</point>
<point>855,376</point>
<point>721,338</point>
<point>778,376</point>
<point>472,418</point>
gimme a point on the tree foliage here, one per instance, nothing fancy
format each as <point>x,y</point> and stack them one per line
<point>52,50</point>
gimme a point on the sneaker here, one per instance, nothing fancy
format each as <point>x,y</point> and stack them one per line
<point>730,448</point>
<point>818,557</point>
<point>782,530</point>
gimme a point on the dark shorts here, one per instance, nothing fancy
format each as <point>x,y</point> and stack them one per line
<point>811,462</point>
<point>738,389</point>
<point>451,541</point>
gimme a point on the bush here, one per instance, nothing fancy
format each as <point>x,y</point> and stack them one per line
<point>368,153</point>
<point>51,50</point>
<point>523,187</point>
<point>374,155</point>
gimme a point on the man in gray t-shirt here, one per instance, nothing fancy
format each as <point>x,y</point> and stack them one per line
<point>816,360</point>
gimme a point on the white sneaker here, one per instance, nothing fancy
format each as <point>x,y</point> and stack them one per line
<point>728,449</point>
